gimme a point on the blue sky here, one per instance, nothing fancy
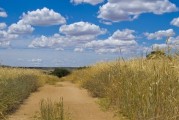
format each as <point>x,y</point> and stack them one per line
<point>83,32</point>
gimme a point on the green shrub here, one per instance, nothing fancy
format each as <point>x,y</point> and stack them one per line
<point>60,72</point>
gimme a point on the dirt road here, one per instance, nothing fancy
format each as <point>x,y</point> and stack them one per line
<point>80,105</point>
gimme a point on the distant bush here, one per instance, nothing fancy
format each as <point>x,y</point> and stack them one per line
<point>157,54</point>
<point>60,72</point>
<point>84,67</point>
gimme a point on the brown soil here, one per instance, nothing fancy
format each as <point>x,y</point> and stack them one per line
<point>80,104</point>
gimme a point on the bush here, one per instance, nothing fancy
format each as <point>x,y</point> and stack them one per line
<point>60,72</point>
<point>156,55</point>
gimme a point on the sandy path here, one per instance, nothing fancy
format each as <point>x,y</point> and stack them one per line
<point>80,105</point>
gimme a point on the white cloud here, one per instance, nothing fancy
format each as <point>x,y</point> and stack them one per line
<point>3,13</point>
<point>92,2</point>
<point>78,49</point>
<point>5,36</point>
<point>59,49</point>
<point>4,44</point>
<point>175,22</point>
<point>160,46</point>
<point>20,28</point>
<point>173,43</point>
<point>106,22</point>
<point>3,26</point>
<point>119,41</point>
<point>46,42</point>
<point>160,34</point>
<point>121,10</point>
<point>82,29</point>
<point>36,60</point>
<point>72,36</point>
<point>43,17</point>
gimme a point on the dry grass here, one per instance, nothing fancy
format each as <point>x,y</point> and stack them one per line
<point>139,89</point>
<point>52,110</point>
<point>16,85</point>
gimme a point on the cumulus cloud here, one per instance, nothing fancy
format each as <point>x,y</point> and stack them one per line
<point>73,35</point>
<point>46,42</point>
<point>3,13</point>
<point>20,28</point>
<point>173,43</point>
<point>82,29</point>
<point>43,17</point>
<point>160,46</point>
<point>121,40</point>
<point>160,34</point>
<point>92,2</point>
<point>121,10</point>
<point>175,22</point>
<point>3,26</point>
<point>5,36</point>
<point>78,49</point>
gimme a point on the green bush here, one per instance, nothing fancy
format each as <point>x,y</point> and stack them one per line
<point>60,72</point>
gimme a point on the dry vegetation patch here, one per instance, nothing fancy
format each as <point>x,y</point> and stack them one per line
<point>16,85</point>
<point>140,89</point>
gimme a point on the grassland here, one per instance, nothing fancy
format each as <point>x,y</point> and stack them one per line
<point>17,84</point>
<point>140,89</point>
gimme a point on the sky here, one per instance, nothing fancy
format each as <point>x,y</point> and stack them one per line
<point>72,33</point>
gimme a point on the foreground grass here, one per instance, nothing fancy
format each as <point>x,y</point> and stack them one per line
<point>50,110</point>
<point>16,85</point>
<point>139,89</point>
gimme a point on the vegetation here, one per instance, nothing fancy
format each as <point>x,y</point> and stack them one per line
<point>60,72</point>
<point>140,89</point>
<point>157,54</point>
<point>52,111</point>
<point>16,85</point>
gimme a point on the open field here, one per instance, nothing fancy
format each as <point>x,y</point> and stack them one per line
<point>140,89</point>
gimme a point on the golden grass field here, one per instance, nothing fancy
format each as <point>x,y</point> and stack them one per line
<point>16,85</point>
<point>140,89</point>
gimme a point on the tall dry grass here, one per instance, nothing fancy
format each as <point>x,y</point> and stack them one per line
<point>52,110</point>
<point>16,85</point>
<point>140,89</point>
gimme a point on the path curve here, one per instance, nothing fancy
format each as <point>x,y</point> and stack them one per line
<point>80,105</point>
